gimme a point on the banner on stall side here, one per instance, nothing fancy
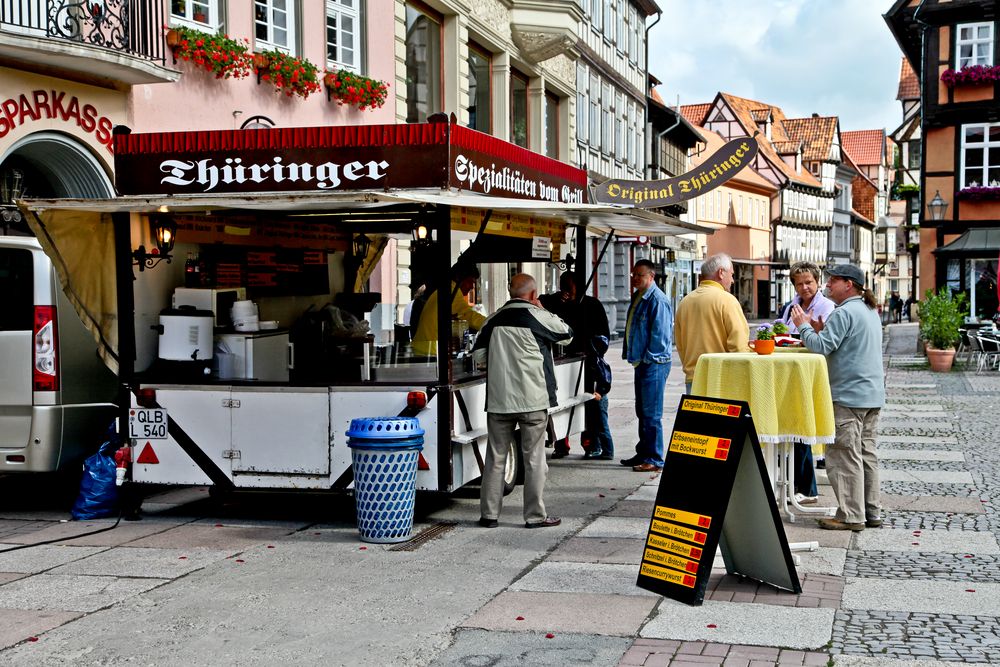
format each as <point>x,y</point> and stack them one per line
<point>714,491</point>
<point>713,172</point>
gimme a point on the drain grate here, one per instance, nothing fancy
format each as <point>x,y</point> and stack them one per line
<point>425,536</point>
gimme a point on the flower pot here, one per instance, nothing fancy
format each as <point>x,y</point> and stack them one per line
<point>329,79</point>
<point>940,360</point>
<point>173,39</point>
<point>762,346</point>
<point>200,18</point>
<point>260,61</point>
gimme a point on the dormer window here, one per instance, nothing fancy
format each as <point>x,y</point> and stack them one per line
<point>973,44</point>
<point>814,168</point>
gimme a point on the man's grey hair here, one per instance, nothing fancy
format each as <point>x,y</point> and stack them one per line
<point>712,265</point>
<point>521,285</point>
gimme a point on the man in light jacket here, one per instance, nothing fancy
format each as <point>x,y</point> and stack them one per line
<point>851,340</point>
<point>648,329</point>
<point>515,346</point>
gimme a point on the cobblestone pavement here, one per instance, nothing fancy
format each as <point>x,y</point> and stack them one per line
<point>903,584</point>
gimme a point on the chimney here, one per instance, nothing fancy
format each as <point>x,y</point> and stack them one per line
<point>815,115</point>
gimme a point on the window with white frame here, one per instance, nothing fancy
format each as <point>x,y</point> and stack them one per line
<point>423,63</point>
<point>597,14</point>
<point>973,44</point>
<point>620,40</point>
<point>608,123</point>
<point>582,104</point>
<point>199,13</point>
<point>343,34</point>
<point>981,155</point>
<point>274,25</point>
<point>595,112</point>
<point>552,125</point>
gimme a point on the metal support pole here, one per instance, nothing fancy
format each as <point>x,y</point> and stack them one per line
<point>126,316</point>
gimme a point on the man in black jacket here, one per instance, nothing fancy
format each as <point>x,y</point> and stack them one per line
<point>585,315</point>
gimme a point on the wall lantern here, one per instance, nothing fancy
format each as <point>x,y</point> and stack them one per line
<point>420,234</point>
<point>361,245</point>
<point>163,230</point>
<point>937,207</point>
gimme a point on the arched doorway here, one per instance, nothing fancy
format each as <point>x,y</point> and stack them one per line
<point>45,165</point>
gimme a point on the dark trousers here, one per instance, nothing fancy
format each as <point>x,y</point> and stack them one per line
<point>805,472</point>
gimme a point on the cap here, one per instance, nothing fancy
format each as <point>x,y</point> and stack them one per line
<point>848,271</point>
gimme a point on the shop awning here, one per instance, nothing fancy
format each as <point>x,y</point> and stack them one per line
<point>599,218</point>
<point>759,262</point>
<point>979,242</point>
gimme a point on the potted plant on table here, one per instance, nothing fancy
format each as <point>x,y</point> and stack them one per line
<point>940,319</point>
<point>764,340</point>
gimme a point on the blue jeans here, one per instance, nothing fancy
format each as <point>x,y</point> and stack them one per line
<point>596,418</point>
<point>650,382</point>
<point>805,474</point>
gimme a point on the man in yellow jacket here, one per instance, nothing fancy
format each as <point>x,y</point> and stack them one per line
<point>464,276</point>
<point>710,319</point>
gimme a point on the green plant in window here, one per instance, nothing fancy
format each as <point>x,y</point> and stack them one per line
<point>220,54</point>
<point>288,74</point>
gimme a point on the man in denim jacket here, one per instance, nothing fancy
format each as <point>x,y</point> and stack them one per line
<point>648,331</point>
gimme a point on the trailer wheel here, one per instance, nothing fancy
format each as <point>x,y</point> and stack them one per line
<point>513,473</point>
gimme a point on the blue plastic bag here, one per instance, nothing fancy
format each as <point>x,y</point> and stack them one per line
<point>98,492</point>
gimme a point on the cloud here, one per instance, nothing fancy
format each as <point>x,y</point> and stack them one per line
<point>805,56</point>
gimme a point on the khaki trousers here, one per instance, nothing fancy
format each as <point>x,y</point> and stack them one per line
<point>500,431</point>
<point>852,464</point>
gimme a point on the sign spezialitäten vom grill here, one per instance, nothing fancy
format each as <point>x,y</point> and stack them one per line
<point>713,172</point>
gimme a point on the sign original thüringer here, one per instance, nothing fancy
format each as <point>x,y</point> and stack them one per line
<point>716,170</point>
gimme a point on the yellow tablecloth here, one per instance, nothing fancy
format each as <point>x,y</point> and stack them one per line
<point>789,394</point>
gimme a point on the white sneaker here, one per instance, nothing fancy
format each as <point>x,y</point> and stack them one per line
<point>802,499</point>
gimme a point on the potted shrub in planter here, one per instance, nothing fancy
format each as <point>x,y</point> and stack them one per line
<point>940,319</point>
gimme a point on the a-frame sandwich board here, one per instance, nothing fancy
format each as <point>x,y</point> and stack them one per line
<point>714,490</point>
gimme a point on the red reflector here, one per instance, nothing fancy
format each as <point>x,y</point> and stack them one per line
<point>422,463</point>
<point>146,398</point>
<point>45,366</point>
<point>416,400</point>
<point>147,455</point>
<point>15,458</point>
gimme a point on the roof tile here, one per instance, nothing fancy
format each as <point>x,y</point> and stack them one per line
<point>865,146</point>
<point>816,133</point>
<point>695,113</point>
<point>909,85</point>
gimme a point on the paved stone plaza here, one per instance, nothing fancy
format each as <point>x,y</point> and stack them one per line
<point>922,590</point>
<point>194,584</point>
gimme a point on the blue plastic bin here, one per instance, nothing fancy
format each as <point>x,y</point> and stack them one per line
<point>384,452</point>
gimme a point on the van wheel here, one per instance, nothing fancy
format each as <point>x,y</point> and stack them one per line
<point>513,473</point>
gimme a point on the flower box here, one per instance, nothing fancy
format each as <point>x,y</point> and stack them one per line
<point>288,74</point>
<point>219,54</point>
<point>979,193</point>
<point>355,89</point>
<point>972,75</point>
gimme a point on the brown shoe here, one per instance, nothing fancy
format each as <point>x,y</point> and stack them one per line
<point>647,467</point>
<point>547,522</point>
<point>874,523</point>
<point>837,524</point>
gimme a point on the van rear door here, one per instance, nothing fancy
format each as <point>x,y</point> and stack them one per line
<point>17,285</point>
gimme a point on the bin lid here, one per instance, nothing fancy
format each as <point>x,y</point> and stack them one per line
<point>384,428</point>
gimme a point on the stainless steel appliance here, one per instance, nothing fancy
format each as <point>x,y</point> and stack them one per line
<point>265,355</point>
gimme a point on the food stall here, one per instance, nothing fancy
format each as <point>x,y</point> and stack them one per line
<point>281,229</point>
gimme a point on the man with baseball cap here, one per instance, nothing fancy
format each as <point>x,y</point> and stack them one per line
<point>851,340</point>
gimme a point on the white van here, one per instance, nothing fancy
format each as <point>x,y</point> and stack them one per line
<point>55,392</point>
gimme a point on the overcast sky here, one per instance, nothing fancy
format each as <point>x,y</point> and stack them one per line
<point>831,57</point>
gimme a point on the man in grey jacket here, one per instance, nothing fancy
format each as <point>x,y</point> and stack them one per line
<point>515,345</point>
<point>851,339</point>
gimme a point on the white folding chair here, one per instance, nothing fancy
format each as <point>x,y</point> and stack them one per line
<point>991,352</point>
